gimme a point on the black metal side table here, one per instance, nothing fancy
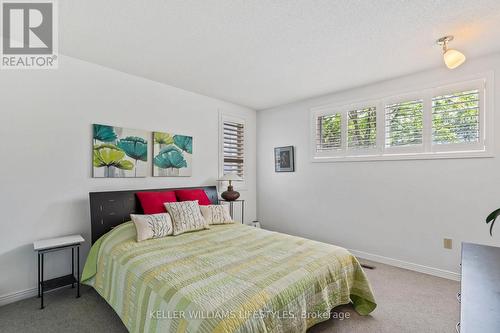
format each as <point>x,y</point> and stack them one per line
<point>231,208</point>
<point>56,244</point>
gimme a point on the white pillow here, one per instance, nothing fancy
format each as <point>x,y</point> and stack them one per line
<point>216,214</point>
<point>152,226</point>
<point>186,216</point>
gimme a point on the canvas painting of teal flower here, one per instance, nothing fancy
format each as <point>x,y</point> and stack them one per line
<point>119,152</point>
<point>172,155</point>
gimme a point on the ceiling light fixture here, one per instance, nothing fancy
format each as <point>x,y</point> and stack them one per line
<point>452,58</point>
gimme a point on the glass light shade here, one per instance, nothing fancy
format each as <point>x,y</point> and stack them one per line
<point>453,58</point>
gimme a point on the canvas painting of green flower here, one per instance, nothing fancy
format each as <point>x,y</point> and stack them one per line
<point>119,152</point>
<point>172,155</point>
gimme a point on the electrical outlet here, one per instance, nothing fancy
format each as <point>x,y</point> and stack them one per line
<point>448,243</point>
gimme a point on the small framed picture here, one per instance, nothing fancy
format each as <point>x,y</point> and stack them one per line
<point>284,159</point>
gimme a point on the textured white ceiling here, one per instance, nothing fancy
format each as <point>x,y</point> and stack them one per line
<point>263,53</point>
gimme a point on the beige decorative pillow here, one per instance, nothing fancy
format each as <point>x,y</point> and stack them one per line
<point>186,216</point>
<point>216,214</point>
<point>152,226</point>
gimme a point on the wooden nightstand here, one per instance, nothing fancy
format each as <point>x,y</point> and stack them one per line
<point>56,244</point>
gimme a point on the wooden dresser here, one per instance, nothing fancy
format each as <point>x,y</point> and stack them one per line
<point>480,290</point>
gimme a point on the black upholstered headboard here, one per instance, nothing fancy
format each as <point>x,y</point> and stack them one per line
<point>109,209</point>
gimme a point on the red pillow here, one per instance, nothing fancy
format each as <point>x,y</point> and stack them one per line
<point>153,202</point>
<point>191,195</point>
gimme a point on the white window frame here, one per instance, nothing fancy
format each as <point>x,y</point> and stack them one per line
<point>484,148</point>
<point>413,149</point>
<point>223,117</point>
<point>344,111</point>
<point>481,87</point>
<point>325,112</point>
<point>361,151</point>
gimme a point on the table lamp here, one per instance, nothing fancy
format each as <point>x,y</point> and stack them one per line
<point>230,194</point>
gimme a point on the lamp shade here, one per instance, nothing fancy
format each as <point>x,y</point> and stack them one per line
<point>231,177</point>
<point>453,58</point>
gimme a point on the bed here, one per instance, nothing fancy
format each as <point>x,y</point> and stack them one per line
<point>230,278</point>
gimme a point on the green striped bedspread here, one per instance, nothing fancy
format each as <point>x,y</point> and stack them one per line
<point>230,278</point>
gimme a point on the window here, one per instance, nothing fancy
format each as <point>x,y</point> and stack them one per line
<point>455,118</point>
<point>361,128</point>
<point>404,123</point>
<point>329,133</point>
<point>233,147</point>
<point>444,122</point>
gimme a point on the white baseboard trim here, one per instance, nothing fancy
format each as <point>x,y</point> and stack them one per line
<point>17,296</point>
<point>407,265</point>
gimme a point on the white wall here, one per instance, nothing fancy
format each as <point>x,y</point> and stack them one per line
<point>396,209</point>
<point>45,160</point>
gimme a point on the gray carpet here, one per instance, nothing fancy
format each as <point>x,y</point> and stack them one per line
<point>407,302</point>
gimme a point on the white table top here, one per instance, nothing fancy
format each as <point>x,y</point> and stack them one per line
<point>49,243</point>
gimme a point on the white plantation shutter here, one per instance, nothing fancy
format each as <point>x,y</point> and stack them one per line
<point>404,123</point>
<point>328,132</point>
<point>362,128</point>
<point>455,118</point>
<point>451,121</point>
<point>233,145</point>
